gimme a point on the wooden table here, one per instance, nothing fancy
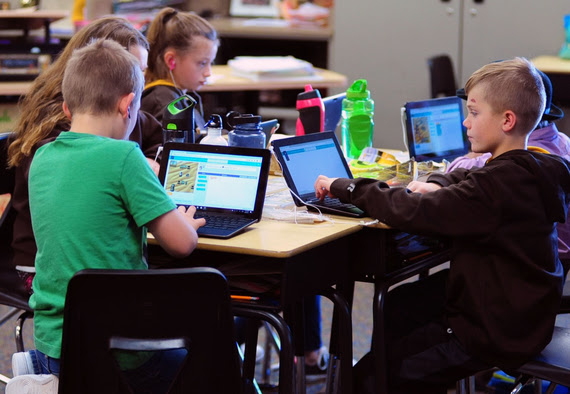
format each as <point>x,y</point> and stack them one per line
<point>27,20</point>
<point>222,80</point>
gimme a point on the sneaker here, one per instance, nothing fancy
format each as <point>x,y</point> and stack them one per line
<point>259,352</point>
<point>320,368</point>
<point>33,384</point>
<point>22,364</point>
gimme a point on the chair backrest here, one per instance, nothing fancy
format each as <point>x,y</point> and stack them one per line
<point>442,76</point>
<point>149,310</point>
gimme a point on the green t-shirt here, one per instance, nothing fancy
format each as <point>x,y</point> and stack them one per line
<point>90,198</point>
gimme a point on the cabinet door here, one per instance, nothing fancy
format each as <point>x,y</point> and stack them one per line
<point>501,29</point>
<point>388,43</point>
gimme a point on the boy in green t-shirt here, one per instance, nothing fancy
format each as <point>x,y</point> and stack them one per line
<point>92,196</point>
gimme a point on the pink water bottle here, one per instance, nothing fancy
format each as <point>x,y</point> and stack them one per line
<point>311,111</point>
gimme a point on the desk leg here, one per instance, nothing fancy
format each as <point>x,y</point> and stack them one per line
<point>378,337</point>
<point>297,325</point>
<point>341,329</point>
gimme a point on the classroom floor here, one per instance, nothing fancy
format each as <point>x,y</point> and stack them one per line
<point>361,325</point>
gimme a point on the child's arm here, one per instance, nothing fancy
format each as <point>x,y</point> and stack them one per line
<point>175,231</point>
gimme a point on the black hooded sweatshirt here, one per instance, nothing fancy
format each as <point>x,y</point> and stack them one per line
<point>505,279</point>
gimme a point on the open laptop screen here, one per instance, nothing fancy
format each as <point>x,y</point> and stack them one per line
<point>213,179</point>
<point>434,129</point>
<point>307,157</point>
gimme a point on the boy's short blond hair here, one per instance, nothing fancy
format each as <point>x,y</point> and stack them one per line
<point>98,75</point>
<point>513,85</point>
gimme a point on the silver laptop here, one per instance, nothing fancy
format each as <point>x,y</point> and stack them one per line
<point>303,159</point>
<point>226,184</point>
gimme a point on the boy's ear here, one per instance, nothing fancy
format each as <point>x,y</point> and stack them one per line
<point>509,121</point>
<point>66,110</point>
<point>125,104</point>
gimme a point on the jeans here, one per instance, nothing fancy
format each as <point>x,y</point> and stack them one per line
<point>44,364</point>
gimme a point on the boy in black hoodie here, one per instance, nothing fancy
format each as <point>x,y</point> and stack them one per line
<point>497,304</point>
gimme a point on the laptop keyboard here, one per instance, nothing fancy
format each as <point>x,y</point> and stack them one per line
<point>332,203</point>
<point>221,221</point>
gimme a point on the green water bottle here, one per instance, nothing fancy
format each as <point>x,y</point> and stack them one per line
<point>357,119</point>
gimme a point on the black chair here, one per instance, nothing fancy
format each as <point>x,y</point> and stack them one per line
<point>12,291</point>
<point>149,311</point>
<point>442,76</point>
<point>552,364</point>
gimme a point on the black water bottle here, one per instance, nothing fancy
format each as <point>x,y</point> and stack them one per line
<point>178,120</point>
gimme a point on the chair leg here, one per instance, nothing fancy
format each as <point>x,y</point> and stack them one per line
<point>8,315</point>
<point>19,330</point>
<point>286,355</point>
<point>4,379</point>
<point>520,382</point>
<point>466,385</point>
<point>340,368</point>
<point>271,341</point>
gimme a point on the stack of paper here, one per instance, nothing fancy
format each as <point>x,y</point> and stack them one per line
<point>270,67</point>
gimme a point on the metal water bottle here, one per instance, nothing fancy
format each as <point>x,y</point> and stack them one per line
<point>178,120</point>
<point>247,131</point>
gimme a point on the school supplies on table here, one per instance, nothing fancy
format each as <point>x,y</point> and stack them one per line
<point>225,184</point>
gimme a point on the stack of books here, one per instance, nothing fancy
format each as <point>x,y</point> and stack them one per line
<point>270,67</point>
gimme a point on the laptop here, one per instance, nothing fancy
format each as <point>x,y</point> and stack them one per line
<point>434,129</point>
<point>225,184</point>
<point>303,158</point>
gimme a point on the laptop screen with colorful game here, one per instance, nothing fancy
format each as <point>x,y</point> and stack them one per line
<point>434,129</point>
<point>303,159</point>
<point>225,184</point>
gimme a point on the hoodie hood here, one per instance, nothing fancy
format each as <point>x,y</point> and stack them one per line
<point>553,174</point>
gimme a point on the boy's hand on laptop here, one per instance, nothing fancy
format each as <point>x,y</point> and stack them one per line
<point>323,187</point>
<point>189,215</point>
<point>423,187</point>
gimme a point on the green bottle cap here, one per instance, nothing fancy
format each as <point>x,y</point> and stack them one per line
<point>358,90</point>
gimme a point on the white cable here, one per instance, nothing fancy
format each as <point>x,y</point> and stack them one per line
<point>174,82</point>
<point>321,216</point>
<point>158,151</point>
